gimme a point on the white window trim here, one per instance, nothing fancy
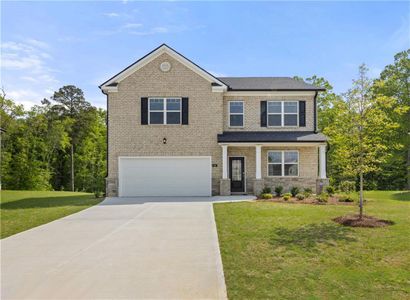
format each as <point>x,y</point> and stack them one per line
<point>282,113</point>
<point>243,114</point>
<point>164,110</point>
<point>282,163</point>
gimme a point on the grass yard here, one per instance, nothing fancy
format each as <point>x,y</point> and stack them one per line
<point>295,251</point>
<point>22,210</point>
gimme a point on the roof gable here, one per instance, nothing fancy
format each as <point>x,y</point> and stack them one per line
<point>111,84</point>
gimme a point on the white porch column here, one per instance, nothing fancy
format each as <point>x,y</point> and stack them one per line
<point>224,161</point>
<point>258,149</point>
<point>322,161</point>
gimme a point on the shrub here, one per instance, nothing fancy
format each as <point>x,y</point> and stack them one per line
<point>278,190</point>
<point>322,198</point>
<point>287,196</point>
<point>347,186</point>
<point>308,192</point>
<point>330,190</point>
<point>267,190</point>
<point>266,196</point>
<point>346,198</point>
<point>294,191</point>
<point>97,194</point>
<point>300,196</point>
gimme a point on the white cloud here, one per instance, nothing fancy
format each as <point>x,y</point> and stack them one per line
<point>26,71</point>
<point>27,97</point>
<point>111,14</point>
<point>131,25</point>
<point>400,38</point>
<point>37,43</point>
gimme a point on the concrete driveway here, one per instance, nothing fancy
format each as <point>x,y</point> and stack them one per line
<point>123,248</point>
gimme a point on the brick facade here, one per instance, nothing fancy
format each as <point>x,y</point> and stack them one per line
<point>208,116</point>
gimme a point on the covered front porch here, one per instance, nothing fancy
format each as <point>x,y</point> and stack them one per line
<point>250,166</point>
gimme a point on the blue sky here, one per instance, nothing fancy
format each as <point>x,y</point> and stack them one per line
<point>46,45</point>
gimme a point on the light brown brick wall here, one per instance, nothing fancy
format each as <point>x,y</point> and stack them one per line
<point>127,137</point>
<point>207,117</point>
<point>252,120</point>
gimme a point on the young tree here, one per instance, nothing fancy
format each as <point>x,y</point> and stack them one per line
<point>365,130</point>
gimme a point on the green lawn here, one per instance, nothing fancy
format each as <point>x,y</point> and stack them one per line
<point>22,210</point>
<point>295,251</point>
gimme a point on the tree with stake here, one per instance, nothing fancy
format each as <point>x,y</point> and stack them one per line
<point>364,129</point>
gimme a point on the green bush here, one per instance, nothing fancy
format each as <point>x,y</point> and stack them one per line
<point>278,190</point>
<point>294,191</point>
<point>307,192</point>
<point>266,196</point>
<point>287,196</point>
<point>322,198</point>
<point>330,190</point>
<point>346,198</point>
<point>300,196</point>
<point>267,190</point>
<point>347,186</point>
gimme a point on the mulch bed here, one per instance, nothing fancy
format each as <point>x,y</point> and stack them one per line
<point>310,200</point>
<point>365,221</point>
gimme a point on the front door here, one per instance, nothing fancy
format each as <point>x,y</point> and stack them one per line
<point>237,174</point>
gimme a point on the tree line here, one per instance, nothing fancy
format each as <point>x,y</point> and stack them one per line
<point>61,144</point>
<point>58,145</point>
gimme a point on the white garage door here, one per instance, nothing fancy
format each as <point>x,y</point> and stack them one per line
<point>164,176</point>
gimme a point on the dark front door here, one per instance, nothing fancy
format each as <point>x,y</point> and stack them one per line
<point>237,174</point>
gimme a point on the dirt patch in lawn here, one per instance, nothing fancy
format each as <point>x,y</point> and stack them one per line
<point>365,221</point>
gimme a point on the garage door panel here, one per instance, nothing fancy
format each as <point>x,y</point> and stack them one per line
<point>164,176</point>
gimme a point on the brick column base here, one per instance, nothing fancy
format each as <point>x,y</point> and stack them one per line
<point>225,187</point>
<point>111,187</point>
<point>321,184</point>
<point>258,185</point>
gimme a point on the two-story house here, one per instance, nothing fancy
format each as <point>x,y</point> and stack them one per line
<point>176,130</point>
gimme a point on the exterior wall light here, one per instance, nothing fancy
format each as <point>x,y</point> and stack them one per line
<point>164,140</point>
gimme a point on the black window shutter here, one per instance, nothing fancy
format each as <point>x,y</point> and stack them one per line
<point>264,114</point>
<point>185,111</point>
<point>302,113</point>
<point>144,111</point>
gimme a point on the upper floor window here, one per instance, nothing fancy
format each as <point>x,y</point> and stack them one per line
<point>283,113</point>
<point>164,111</point>
<point>236,113</point>
<point>283,163</point>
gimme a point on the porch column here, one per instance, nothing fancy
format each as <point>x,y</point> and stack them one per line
<point>224,161</point>
<point>258,174</point>
<point>322,161</point>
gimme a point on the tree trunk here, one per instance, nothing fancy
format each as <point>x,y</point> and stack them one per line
<point>72,167</point>
<point>361,196</point>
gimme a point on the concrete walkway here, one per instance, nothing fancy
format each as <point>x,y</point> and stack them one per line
<point>130,248</point>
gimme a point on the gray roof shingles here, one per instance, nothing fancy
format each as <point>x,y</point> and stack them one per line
<point>267,84</point>
<point>270,136</point>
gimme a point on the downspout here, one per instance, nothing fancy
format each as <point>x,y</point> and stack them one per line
<point>315,113</point>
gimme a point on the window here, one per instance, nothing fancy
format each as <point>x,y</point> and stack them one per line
<point>164,111</point>
<point>236,112</point>
<point>283,113</point>
<point>283,163</point>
